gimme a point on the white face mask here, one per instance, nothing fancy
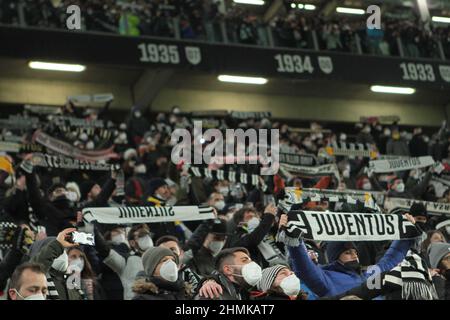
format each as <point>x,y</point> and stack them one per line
<point>346,173</point>
<point>145,242</point>
<point>252,224</point>
<point>61,263</point>
<point>216,247</point>
<point>76,265</point>
<point>447,228</point>
<point>169,271</point>
<point>224,191</point>
<point>37,296</point>
<point>171,201</point>
<point>72,196</point>
<point>142,169</point>
<point>219,205</point>
<point>367,186</point>
<point>290,285</point>
<point>400,187</point>
<point>118,239</point>
<point>251,272</point>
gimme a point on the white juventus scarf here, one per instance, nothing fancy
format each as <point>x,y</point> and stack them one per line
<point>19,122</point>
<point>351,150</point>
<point>434,208</point>
<point>360,195</point>
<point>299,196</point>
<point>125,215</point>
<point>297,159</point>
<point>61,162</point>
<point>38,109</point>
<point>384,166</point>
<point>323,170</point>
<point>62,121</point>
<point>345,226</point>
<point>66,149</point>
<point>14,147</point>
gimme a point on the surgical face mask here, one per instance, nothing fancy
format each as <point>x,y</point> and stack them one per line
<point>76,265</point>
<point>169,271</point>
<point>118,239</point>
<point>137,114</point>
<point>140,169</point>
<point>216,247</point>
<point>343,137</point>
<point>72,196</point>
<point>387,132</point>
<point>145,242</point>
<point>426,139</point>
<point>447,229</point>
<point>346,173</point>
<point>251,272</point>
<point>219,205</point>
<point>290,285</point>
<point>37,296</point>
<point>90,145</point>
<point>224,191</point>
<point>252,224</point>
<point>400,187</point>
<point>61,263</point>
<point>367,186</point>
<point>172,201</point>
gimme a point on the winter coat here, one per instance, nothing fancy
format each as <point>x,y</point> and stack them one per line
<point>334,278</point>
<point>54,219</point>
<point>126,269</point>
<point>45,254</point>
<point>7,266</point>
<point>442,286</point>
<point>159,289</point>
<point>16,206</point>
<point>231,291</point>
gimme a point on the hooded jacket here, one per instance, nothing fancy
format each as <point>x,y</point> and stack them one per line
<point>334,278</point>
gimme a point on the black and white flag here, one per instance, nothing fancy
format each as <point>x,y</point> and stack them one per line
<point>61,162</point>
<point>323,170</point>
<point>385,166</point>
<point>343,226</point>
<point>130,215</point>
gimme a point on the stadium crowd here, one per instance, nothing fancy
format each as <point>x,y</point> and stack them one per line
<point>201,20</point>
<point>234,255</point>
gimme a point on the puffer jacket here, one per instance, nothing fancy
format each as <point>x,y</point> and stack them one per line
<point>334,278</point>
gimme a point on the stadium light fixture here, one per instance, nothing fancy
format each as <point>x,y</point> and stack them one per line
<point>253,2</point>
<point>242,79</point>
<point>350,10</point>
<point>56,66</point>
<point>395,90</point>
<point>441,19</point>
<point>310,7</point>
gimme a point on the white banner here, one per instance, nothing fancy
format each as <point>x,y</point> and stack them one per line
<point>384,166</point>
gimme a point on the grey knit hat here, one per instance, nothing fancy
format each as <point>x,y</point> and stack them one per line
<point>437,251</point>
<point>152,257</point>
<point>268,277</point>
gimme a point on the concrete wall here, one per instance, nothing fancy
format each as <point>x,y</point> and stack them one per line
<point>48,92</point>
<point>304,108</point>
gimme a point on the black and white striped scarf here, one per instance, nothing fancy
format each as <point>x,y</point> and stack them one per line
<point>52,293</point>
<point>413,278</point>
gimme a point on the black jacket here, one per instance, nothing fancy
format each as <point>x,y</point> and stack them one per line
<point>203,262</point>
<point>231,291</point>
<point>241,238</point>
<point>159,289</point>
<point>52,218</point>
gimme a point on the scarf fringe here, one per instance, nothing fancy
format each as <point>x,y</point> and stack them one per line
<point>414,290</point>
